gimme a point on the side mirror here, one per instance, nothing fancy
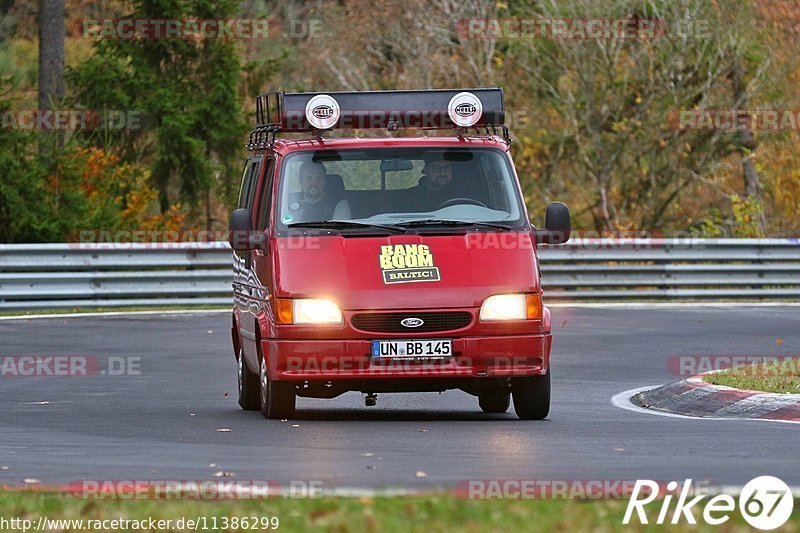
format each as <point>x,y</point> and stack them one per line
<point>240,231</point>
<point>557,225</point>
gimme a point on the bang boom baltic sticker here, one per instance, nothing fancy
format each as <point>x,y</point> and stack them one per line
<point>407,263</point>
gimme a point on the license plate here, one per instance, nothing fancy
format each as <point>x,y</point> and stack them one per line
<point>413,349</point>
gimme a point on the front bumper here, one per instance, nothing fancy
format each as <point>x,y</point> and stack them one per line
<point>473,357</point>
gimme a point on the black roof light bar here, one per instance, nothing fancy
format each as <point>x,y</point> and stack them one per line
<point>424,109</point>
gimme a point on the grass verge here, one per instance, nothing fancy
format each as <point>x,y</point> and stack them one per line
<point>437,512</point>
<point>782,376</point>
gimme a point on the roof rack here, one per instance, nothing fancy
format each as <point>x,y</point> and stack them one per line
<point>459,109</point>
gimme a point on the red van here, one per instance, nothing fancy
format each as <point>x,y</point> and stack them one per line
<point>388,263</point>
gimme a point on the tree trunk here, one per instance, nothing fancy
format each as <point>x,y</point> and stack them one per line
<point>51,56</point>
<point>746,140</point>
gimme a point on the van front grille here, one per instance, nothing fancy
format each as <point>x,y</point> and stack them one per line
<point>391,322</point>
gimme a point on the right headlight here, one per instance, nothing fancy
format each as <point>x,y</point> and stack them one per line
<point>499,307</point>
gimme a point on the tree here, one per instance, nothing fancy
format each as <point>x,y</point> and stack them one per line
<point>186,89</point>
<point>51,56</point>
<point>610,139</point>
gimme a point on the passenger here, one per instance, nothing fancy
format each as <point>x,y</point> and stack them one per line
<point>315,202</point>
<point>435,187</point>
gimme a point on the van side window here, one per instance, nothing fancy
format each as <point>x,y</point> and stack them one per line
<point>265,195</point>
<point>252,179</point>
<point>243,189</point>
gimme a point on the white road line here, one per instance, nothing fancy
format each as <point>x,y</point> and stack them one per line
<point>119,313</point>
<point>623,401</point>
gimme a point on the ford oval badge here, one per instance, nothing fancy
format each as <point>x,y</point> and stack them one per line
<point>412,322</point>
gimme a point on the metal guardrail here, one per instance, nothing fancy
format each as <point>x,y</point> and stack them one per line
<point>67,276</point>
<point>669,269</point>
<point>52,276</point>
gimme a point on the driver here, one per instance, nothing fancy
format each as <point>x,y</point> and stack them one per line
<point>315,202</point>
<point>435,186</point>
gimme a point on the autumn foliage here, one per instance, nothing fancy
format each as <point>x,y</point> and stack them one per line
<point>593,120</point>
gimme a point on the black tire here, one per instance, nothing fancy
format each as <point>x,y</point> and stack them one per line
<point>532,396</point>
<point>248,386</point>
<point>277,398</point>
<point>494,402</point>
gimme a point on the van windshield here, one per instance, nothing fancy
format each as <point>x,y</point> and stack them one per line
<point>405,187</point>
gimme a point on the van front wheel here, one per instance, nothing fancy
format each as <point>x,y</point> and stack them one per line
<point>532,396</point>
<point>248,386</point>
<point>277,397</point>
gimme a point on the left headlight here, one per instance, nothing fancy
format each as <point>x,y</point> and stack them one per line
<point>511,307</point>
<point>308,311</point>
<point>316,311</point>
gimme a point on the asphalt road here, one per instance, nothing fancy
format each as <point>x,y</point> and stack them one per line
<point>162,424</point>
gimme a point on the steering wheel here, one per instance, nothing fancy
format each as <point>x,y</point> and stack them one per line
<point>454,201</point>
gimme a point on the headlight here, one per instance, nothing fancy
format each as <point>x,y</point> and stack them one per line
<point>308,311</point>
<point>511,307</point>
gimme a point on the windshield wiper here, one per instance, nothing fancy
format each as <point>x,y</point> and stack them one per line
<point>432,222</point>
<point>344,224</point>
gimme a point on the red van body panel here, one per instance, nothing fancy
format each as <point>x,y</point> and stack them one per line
<point>347,270</point>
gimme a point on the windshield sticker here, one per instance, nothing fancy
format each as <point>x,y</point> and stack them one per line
<point>408,263</point>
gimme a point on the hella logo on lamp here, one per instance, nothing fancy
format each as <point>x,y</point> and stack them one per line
<point>322,111</point>
<point>465,109</point>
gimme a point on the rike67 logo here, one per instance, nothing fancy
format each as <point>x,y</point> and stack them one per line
<point>766,503</point>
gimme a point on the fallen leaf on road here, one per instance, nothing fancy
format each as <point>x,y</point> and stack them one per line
<point>420,473</point>
<point>779,342</point>
<point>3,468</point>
<point>30,481</point>
<point>422,430</point>
<point>368,454</point>
<point>227,394</point>
<point>370,467</point>
<point>220,473</point>
<point>223,430</point>
<point>212,465</point>
<point>295,425</point>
